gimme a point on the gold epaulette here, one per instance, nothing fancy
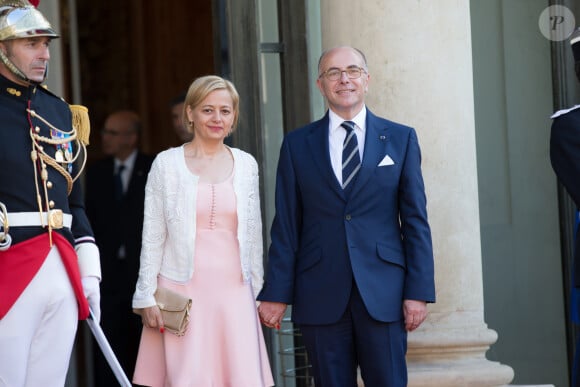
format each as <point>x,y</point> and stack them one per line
<point>81,122</point>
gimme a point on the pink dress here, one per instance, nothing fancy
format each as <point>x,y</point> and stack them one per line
<point>224,344</point>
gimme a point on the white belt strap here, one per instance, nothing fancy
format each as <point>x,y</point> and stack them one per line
<point>23,219</point>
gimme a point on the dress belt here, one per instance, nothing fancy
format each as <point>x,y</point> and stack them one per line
<point>57,219</point>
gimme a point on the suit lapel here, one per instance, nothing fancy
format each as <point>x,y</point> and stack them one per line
<point>137,174</point>
<point>318,142</point>
<point>374,151</point>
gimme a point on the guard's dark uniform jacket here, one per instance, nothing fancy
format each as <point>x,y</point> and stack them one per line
<point>565,158</point>
<point>22,188</point>
<point>17,176</point>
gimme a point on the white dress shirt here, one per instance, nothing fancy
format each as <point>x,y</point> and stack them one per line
<point>126,173</point>
<point>336,135</point>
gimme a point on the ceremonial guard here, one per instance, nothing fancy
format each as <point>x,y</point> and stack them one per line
<point>49,263</point>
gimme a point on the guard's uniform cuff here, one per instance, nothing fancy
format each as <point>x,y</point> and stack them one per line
<point>89,260</point>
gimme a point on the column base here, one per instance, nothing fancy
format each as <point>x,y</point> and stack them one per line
<point>473,373</point>
<point>454,357</point>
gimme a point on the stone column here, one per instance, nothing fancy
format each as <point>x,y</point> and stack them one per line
<point>419,55</point>
<point>54,81</point>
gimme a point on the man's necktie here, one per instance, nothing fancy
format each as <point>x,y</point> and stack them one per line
<point>119,183</point>
<point>350,156</point>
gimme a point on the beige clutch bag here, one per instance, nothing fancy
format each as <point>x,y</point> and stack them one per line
<point>174,310</point>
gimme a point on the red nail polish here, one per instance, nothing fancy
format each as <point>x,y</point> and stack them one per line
<point>161,329</point>
<point>278,326</point>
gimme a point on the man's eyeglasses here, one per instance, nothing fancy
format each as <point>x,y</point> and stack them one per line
<point>335,74</point>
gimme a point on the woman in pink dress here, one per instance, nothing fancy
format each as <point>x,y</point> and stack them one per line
<point>202,237</point>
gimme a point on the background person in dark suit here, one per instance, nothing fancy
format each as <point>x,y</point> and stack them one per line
<point>351,246</point>
<point>114,201</point>
<point>565,158</point>
<point>176,109</point>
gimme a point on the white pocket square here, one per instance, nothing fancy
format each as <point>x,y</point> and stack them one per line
<point>386,161</point>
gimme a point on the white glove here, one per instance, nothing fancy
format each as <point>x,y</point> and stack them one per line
<point>93,295</point>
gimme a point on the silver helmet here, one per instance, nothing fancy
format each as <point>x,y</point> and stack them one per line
<point>19,19</point>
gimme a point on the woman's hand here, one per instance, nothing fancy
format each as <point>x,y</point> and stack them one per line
<point>151,318</point>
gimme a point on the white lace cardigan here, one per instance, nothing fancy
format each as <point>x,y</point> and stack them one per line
<point>169,224</point>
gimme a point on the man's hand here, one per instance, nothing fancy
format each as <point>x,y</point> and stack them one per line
<point>415,313</point>
<point>271,313</point>
<point>93,295</point>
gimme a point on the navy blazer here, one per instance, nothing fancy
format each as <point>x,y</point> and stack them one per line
<point>565,158</point>
<point>379,236</point>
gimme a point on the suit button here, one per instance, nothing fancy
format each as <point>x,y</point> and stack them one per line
<point>348,217</point>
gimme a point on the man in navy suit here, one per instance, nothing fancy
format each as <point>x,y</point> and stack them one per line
<point>351,247</point>
<point>565,158</point>
<point>115,197</point>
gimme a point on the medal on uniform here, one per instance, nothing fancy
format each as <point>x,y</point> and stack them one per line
<point>64,152</point>
<point>68,154</point>
<point>58,154</point>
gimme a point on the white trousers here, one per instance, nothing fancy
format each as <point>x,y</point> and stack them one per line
<point>37,334</point>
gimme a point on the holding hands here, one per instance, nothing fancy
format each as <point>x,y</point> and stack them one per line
<point>271,313</point>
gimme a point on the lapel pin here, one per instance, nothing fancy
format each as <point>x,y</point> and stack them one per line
<point>382,138</point>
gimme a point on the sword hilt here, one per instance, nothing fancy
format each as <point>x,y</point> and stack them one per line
<point>5,238</point>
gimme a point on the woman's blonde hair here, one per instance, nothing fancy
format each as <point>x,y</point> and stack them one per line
<point>201,87</point>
